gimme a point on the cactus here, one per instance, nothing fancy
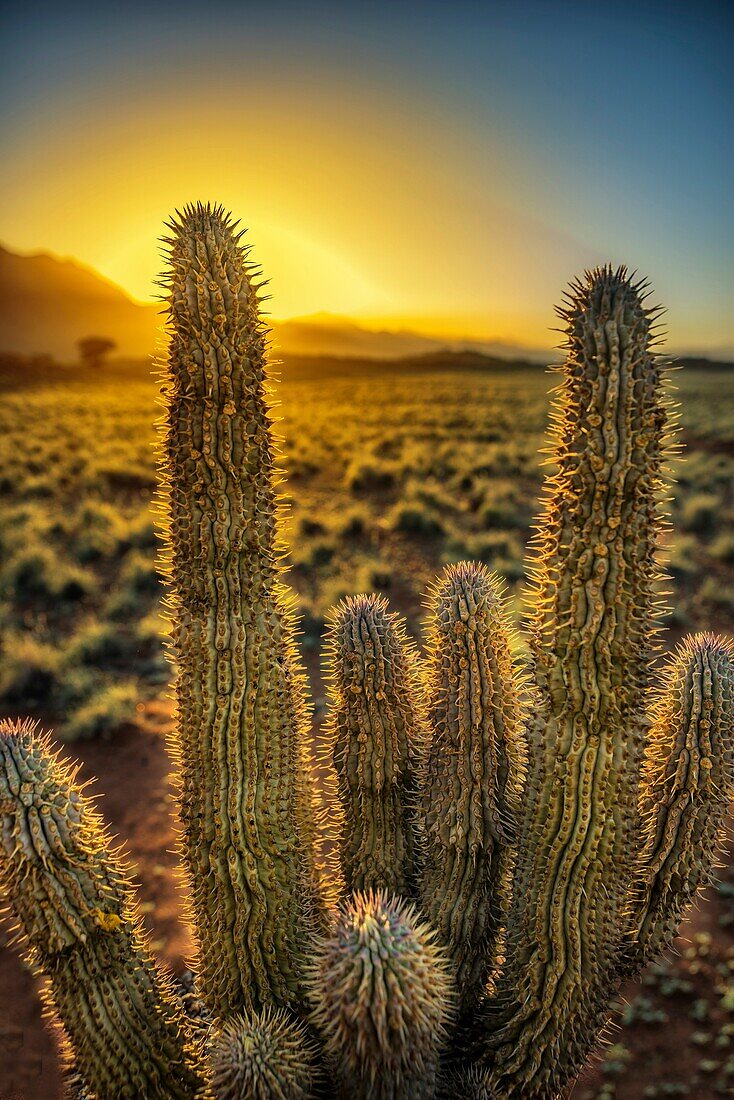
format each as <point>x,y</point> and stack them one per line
<point>261,1056</point>
<point>512,845</point>
<point>76,915</point>
<point>473,775</point>
<point>243,725</point>
<point>687,775</point>
<point>593,633</point>
<point>377,735</point>
<point>383,992</point>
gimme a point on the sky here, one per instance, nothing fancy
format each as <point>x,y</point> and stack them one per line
<point>445,167</point>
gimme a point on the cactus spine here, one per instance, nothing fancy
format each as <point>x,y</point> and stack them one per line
<point>552,832</point>
<point>242,722</point>
<point>76,916</point>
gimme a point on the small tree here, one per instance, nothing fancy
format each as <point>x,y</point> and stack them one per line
<point>93,349</point>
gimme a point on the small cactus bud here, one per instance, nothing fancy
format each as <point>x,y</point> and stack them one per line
<point>261,1056</point>
<point>384,996</point>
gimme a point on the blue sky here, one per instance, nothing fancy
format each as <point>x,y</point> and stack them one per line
<point>447,165</point>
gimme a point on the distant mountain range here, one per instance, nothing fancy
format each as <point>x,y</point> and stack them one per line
<point>47,304</point>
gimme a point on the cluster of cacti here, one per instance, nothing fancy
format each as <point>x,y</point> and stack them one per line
<point>512,844</point>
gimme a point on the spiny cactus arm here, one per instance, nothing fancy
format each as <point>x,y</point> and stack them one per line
<point>687,786</point>
<point>377,736</point>
<point>242,735</point>
<point>474,769</point>
<point>383,996</point>
<point>261,1056</point>
<point>75,915</point>
<point>593,636</point>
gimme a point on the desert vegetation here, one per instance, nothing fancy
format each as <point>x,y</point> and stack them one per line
<point>388,478</point>
<point>445,497</point>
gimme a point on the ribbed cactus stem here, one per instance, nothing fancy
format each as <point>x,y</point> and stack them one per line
<point>241,744</point>
<point>687,786</point>
<point>594,632</point>
<point>377,729</point>
<point>76,916</point>
<point>265,1056</point>
<point>474,769</point>
<point>384,995</point>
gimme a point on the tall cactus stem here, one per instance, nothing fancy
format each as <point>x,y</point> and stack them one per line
<point>594,632</point>
<point>76,917</point>
<point>242,740</point>
<point>687,785</point>
<point>474,769</point>
<point>377,737</point>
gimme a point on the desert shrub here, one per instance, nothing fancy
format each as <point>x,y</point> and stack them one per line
<point>140,532</point>
<point>371,476</point>
<point>41,487</point>
<point>103,713</point>
<point>38,572</point>
<point>308,528</point>
<point>503,513</point>
<point>139,574</point>
<point>718,593</point>
<point>433,495</point>
<point>98,643</point>
<point>353,523</point>
<point>313,555</point>
<point>365,574</point>
<point>125,604</point>
<point>30,674</point>
<point>413,518</point>
<point>499,550</point>
<point>126,476</point>
<point>148,639</point>
<point>97,531</point>
<point>722,548</point>
<point>700,513</point>
<point>681,556</point>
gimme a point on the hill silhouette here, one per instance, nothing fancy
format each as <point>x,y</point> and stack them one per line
<point>47,304</point>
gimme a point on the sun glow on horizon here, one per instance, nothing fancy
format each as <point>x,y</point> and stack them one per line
<point>447,175</point>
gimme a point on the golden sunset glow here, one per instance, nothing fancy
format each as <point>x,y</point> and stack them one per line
<point>421,179</point>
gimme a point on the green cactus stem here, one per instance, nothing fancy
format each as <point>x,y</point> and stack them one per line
<point>687,786</point>
<point>377,734</point>
<point>593,640</point>
<point>242,739</point>
<point>474,769</point>
<point>265,1056</point>
<point>383,995</point>
<point>76,917</point>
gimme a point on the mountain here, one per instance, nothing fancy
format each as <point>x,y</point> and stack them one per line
<point>47,304</point>
<point>338,337</point>
<point>327,334</point>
